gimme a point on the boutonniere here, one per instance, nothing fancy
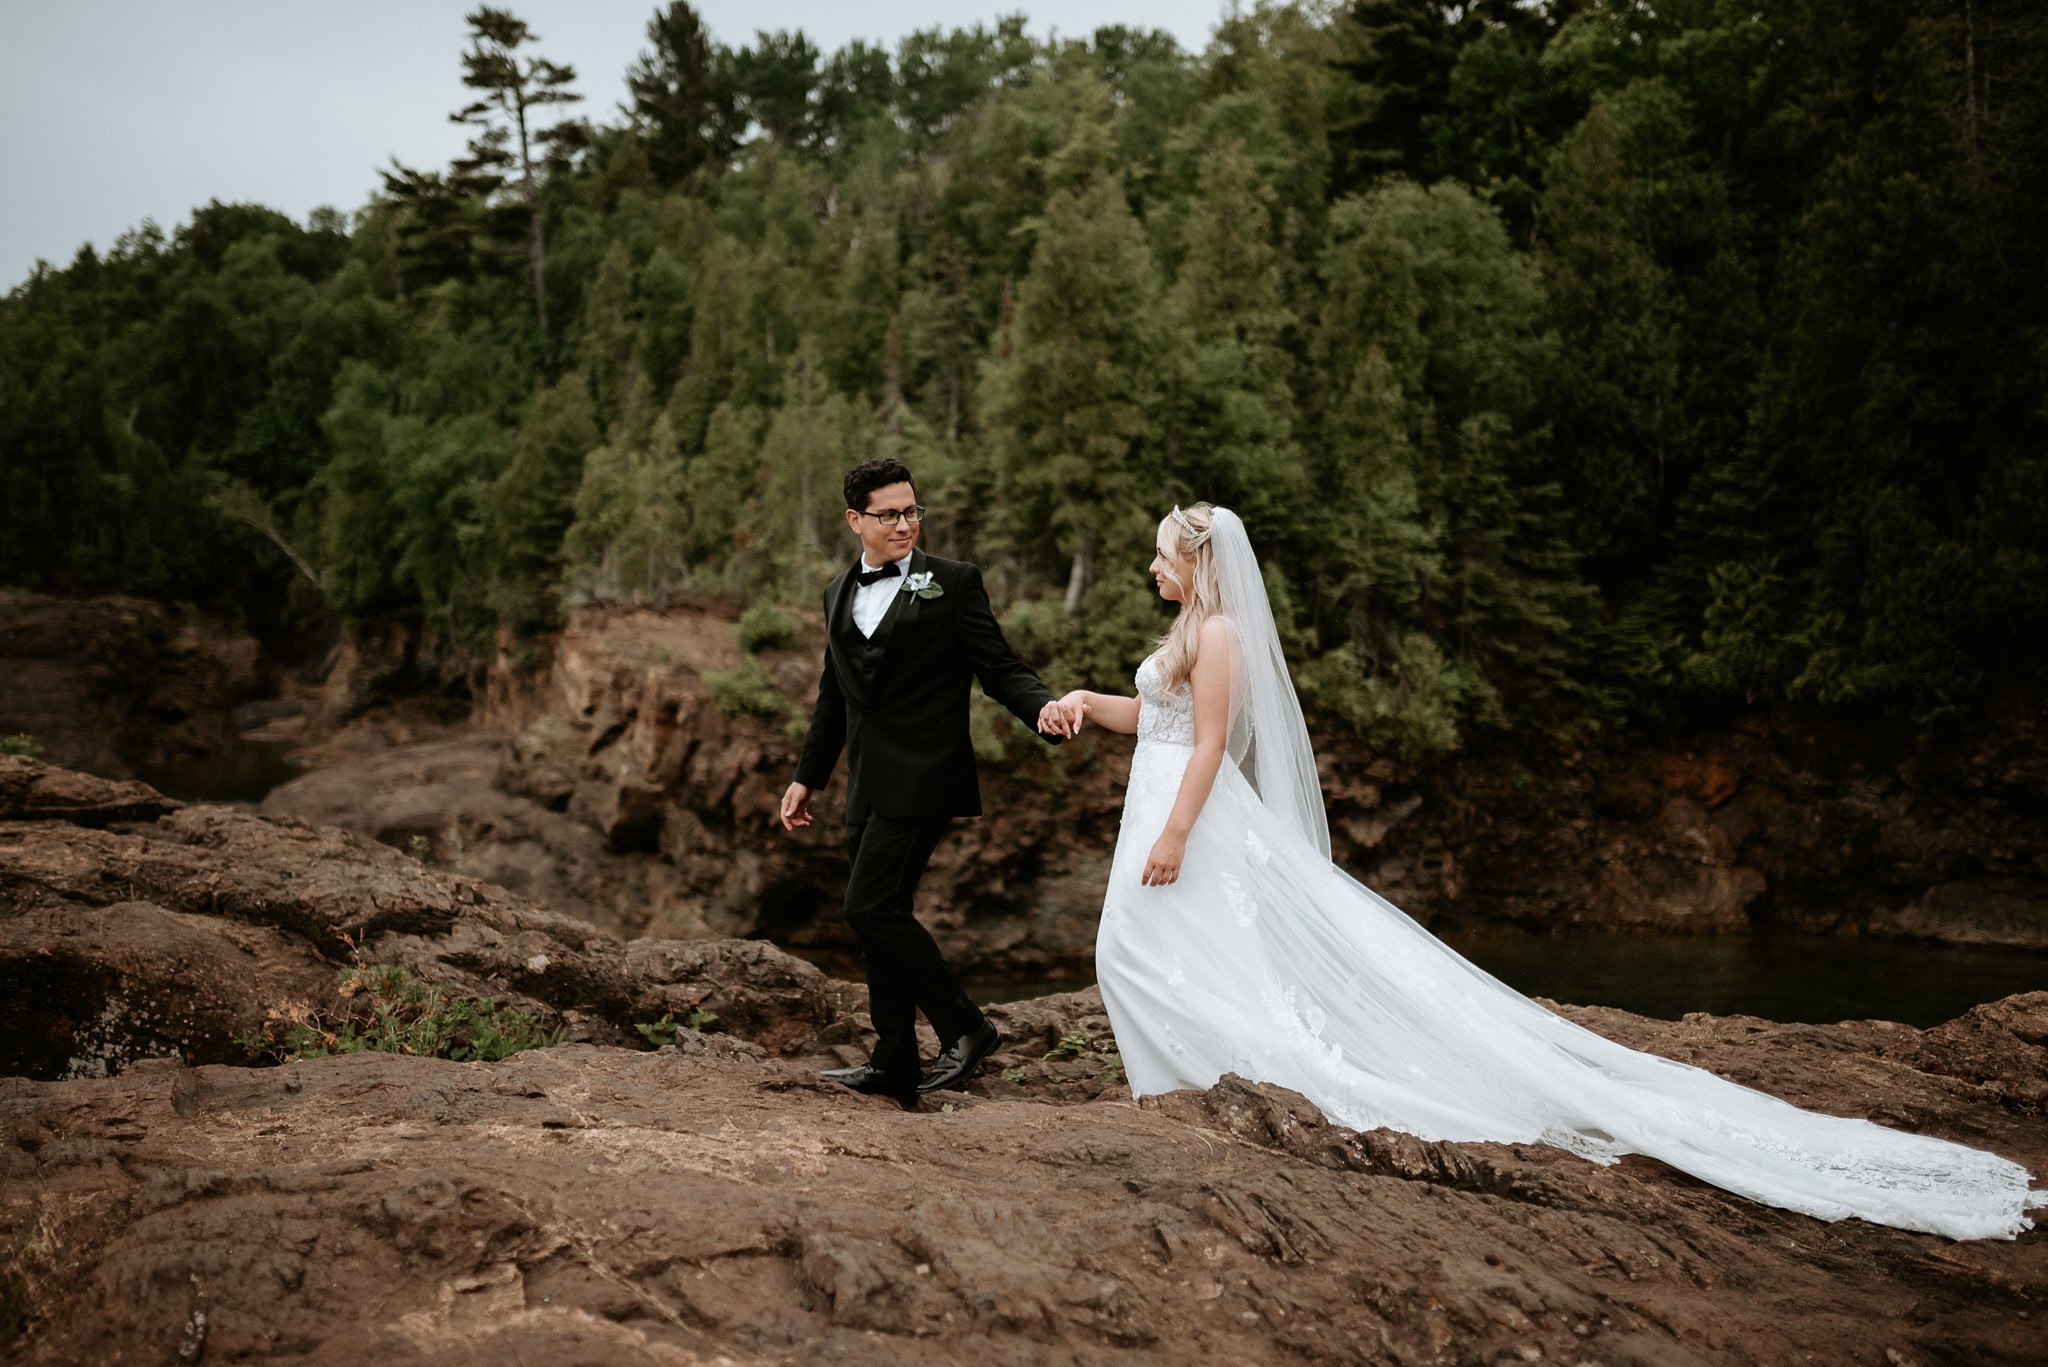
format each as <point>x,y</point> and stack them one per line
<point>922,586</point>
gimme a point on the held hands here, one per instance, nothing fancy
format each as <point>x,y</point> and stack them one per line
<point>796,806</point>
<point>1162,866</point>
<point>1063,716</point>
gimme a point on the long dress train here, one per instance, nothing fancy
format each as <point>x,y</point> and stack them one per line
<point>1267,960</point>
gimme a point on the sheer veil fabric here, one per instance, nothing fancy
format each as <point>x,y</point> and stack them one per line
<point>1267,960</point>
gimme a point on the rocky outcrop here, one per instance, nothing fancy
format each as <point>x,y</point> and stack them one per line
<point>614,784</point>
<point>173,937</point>
<point>626,792</point>
<point>34,791</point>
<point>174,933</point>
<point>711,1202</point>
<point>113,684</point>
<point>714,1200</point>
<point>1784,821</point>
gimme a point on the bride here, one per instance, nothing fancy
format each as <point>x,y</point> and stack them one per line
<point>1230,943</point>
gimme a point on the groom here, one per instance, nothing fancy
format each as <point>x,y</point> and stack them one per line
<point>903,633</point>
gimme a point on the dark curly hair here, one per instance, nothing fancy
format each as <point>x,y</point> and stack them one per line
<point>870,475</point>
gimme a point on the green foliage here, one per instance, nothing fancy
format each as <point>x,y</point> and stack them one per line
<point>385,1009</point>
<point>1070,396</point>
<point>764,626</point>
<point>1566,360</point>
<point>747,691</point>
<point>21,743</point>
<point>663,1032</point>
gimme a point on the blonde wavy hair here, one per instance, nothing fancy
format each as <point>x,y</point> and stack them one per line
<point>1185,532</point>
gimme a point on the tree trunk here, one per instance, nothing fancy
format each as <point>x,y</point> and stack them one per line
<point>536,243</point>
<point>1970,72</point>
<point>1082,572</point>
<point>537,256</point>
<point>892,379</point>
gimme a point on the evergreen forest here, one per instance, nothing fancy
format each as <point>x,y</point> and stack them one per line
<point>1576,364</point>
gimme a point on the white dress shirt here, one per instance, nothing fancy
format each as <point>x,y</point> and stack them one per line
<point>871,601</point>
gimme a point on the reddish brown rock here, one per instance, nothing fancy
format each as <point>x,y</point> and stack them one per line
<point>34,791</point>
<point>607,781</point>
<point>172,937</point>
<point>111,684</point>
<point>594,1205</point>
<point>718,1201</point>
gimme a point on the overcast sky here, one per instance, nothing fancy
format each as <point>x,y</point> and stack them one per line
<point>114,111</point>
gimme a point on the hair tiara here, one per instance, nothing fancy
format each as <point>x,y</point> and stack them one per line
<point>1194,532</point>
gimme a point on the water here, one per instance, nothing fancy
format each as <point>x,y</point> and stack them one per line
<point>1817,979</point>
<point>244,772</point>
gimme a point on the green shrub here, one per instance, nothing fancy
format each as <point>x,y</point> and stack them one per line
<point>746,690</point>
<point>387,1010</point>
<point>765,626</point>
<point>20,744</point>
<point>990,728</point>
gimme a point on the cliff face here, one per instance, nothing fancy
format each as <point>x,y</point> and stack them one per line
<point>715,1201</point>
<point>604,778</point>
<point>610,781</point>
<point>111,684</point>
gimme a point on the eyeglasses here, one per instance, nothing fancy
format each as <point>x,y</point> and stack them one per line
<point>895,517</point>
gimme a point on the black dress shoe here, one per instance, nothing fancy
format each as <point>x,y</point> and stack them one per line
<point>872,1081</point>
<point>957,1062</point>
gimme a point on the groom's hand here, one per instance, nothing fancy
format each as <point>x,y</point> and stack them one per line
<point>796,806</point>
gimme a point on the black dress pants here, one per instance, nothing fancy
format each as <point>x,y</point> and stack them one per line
<point>906,973</point>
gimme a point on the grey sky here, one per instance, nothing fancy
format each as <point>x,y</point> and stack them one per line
<point>114,111</point>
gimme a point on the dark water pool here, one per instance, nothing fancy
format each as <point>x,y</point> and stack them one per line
<point>1814,978</point>
<point>243,773</point>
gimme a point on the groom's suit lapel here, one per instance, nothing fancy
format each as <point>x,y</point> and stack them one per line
<point>848,645</point>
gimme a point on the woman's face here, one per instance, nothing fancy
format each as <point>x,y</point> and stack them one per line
<point>1170,569</point>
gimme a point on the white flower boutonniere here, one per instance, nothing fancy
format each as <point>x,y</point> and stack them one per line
<point>922,586</point>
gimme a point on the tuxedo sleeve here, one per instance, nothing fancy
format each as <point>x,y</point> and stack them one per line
<point>1003,676</point>
<point>827,735</point>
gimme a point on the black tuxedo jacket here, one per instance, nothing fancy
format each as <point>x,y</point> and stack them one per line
<point>896,703</point>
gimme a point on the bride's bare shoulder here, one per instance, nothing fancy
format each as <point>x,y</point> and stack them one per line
<point>1218,634</point>
<point>1216,641</point>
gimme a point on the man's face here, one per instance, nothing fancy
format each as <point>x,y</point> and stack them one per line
<point>880,542</point>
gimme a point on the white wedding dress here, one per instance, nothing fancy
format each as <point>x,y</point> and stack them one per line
<point>1267,960</point>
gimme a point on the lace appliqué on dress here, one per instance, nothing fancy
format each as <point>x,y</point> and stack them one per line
<point>1168,717</point>
<point>1241,906</point>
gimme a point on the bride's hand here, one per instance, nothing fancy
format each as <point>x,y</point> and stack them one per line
<point>1075,705</point>
<point>1162,866</point>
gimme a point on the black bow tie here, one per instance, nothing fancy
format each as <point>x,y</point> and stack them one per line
<point>867,577</point>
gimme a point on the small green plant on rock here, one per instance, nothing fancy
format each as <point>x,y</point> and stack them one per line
<point>21,743</point>
<point>1017,1075</point>
<point>1073,1045</point>
<point>386,1009</point>
<point>419,848</point>
<point>663,1032</point>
